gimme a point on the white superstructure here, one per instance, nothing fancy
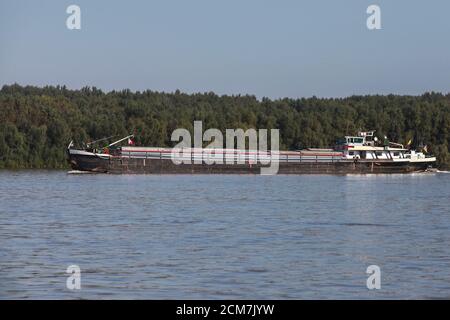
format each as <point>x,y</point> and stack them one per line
<point>363,147</point>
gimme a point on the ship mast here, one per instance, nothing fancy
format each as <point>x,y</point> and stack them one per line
<point>116,142</point>
<point>102,139</point>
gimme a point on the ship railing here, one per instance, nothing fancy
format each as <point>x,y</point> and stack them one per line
<point>248,157</point>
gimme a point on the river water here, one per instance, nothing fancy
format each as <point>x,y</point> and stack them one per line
<point>224,236</point>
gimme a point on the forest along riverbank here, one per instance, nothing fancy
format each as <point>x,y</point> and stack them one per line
<point>38,123</point>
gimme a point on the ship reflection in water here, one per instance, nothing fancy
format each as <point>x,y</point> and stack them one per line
<point>224,236</point>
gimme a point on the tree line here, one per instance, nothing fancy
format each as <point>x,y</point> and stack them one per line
<point>37,123</point>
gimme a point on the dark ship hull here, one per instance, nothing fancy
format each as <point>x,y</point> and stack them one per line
<point>310,164</point>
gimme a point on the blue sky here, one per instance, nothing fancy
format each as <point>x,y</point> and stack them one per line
<point>268,48</point>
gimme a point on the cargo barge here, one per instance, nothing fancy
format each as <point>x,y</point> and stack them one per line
<point>353,154</point>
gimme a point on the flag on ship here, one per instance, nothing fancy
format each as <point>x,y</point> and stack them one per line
<point>409,142</point>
